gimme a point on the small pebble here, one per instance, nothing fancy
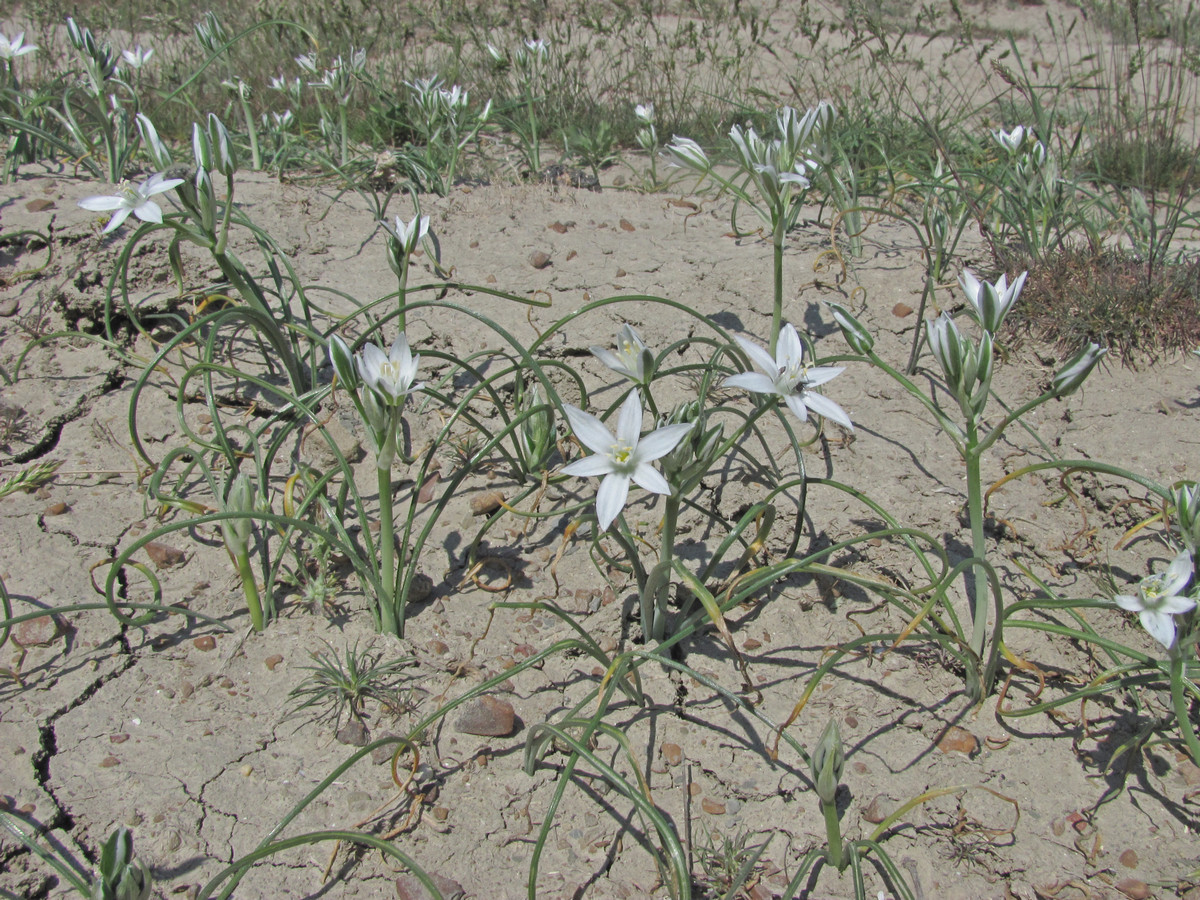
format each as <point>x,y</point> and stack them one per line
<point>272,661</point>
<point>9,307</point>
<point>712,807</point>
<point>441,813</point>
<point>164,556</point>
<point>672,754</point>
<point>354,734</point>
<point>558,227</point>
<point>488,716</point>
<point>439,648</point>
<point>1129,859</point>
<point>246,770</point>
<point>409,887</point>
<point>626,225</point>
<point>205,643</point>
<point>118,738</point>
<point>55,509</point>
<point>874,813</point>
<point>958,740</point>
<point>109,761</point>
<point>486,504</point>
<point>1134,888</point>
<point>900,310</point>
<point>539,259</point>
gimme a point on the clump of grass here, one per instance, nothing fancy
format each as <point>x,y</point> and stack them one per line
<point>1158,161</point>
<point>1113,298</point>
<point>340,686</point>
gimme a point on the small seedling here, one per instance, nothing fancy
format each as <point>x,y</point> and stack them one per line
<point>344,685</point>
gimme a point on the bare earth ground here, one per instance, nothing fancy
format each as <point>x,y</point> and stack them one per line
<point>183,738</point>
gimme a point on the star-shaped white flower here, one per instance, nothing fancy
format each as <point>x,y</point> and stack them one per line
<point>991,303</point>
<point>788,376</point>
<point>16,47</point>
<point>390,375</point>
<point>1159,600</point>
<point>623,457</point>
<point>632,359</point>
<point>408,234</point>
<point>130,199</point>
<point>137,57</point>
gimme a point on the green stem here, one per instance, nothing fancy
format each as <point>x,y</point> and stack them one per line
<point>833,835</point>
<point>665,555</point>
<point>777,310</point>
<point>403,291</point>
<point>387,556</point>
<point>978,540</point>
<point>250,586</point>
<point>1180,704</point>
<point>345,137</point>
<point>255,154</point>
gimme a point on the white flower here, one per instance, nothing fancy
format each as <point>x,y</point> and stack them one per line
<point>1011,141</point>
<point>537,49</point>
<point>130,199</point>
<point>137,57</point>
<point>12,49</point>
<point>308,62</point>
<point>788,377</point>
<point>686,152</point>
<point>1158,599</point>
<point>623,457</point>
<point>632,359</point>
<point>645,113</point>
<point>390,375</point>
<point>991,303</point>
<point>408,234</point>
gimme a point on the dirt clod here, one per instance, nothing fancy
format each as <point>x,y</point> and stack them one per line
<point>488,716</point>
<point>409,887</point>
<point>958,740</point>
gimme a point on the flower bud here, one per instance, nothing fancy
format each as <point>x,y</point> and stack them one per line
<point>342,361</point>
<point>155,148</point>
<point>686,152</point>
<point>1076,371</point>
<point>853,331</point>
<point>120,876</point>
<point>238,499</point>
<point>535,434</point>
<point>1186,498</point>
<point>223,152</point>
<point>828,762</point>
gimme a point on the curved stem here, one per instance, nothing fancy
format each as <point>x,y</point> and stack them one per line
<point>1180,704</point>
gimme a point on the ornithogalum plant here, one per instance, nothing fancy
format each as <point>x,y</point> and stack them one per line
<point>772,177</point>
<point>379,384</point>
<point>967,367</point>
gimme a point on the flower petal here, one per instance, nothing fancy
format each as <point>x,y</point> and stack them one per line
<point>1129,602</point>
<point>821,374</point>
<point>117,218</point>
<point>788,349</point>
<point>149,211</point>
<point>823,406</point>
<point>1161,627</point>
<point>796,404</point>
<point>629,421</point>
<point>755,382</point>
<point>102,204</point>
<point>651,479</point>
<point>588,466</point>
<point>610,498</point>
<point>760,357</point>
<point>589,430</point>
<point>661,441</point>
